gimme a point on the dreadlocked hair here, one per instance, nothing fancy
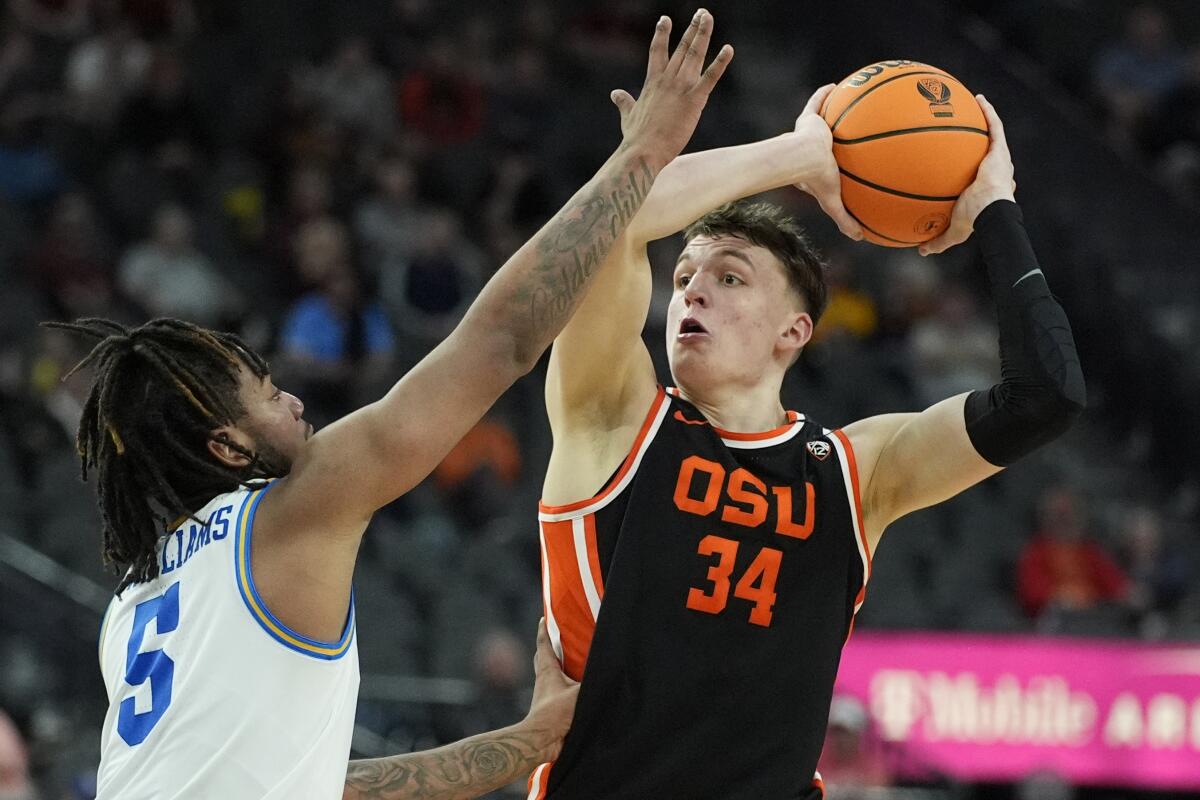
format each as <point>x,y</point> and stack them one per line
<point>159,391</point>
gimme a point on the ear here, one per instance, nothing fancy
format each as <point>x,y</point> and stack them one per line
<point>796,335</point>
<point>220,443</point>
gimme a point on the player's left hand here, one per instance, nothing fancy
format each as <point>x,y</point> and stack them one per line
<point>820,170</point>
<point>994,181</point>
<point>554,695</point>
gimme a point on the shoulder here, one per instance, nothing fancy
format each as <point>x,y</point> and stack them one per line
<point>870,435</point>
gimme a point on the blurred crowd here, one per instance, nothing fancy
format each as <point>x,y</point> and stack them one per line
<point>336,181</point>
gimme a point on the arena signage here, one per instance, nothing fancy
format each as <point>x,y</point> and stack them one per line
<point>999,709</point>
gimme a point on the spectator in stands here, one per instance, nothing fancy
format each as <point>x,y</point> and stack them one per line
<point>389,222</point>
<point>163,121</point>
<point>104,71</point>
<point>72,262</point>
<point>953,350</point>
<point>30,170</point>
<point>167,276</point>
<point>851,311</point>
<point>309,198</point>
<point>1061,567</point>
<point>524,108</point>
<point>516,204</point>
<point>1134,74</point>
<point>354,91</point>
<point>336,343</point>
<point>1159,574</point>
<point>439,101</point>
<point>429,294</point>
<point>851,763</point>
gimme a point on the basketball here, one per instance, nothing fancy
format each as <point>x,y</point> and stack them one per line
<point>908,139</point>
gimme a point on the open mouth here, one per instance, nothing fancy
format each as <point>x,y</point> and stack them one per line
<point>689,328</point>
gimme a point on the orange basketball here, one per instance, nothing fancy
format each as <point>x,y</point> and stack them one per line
<point>908,139</point>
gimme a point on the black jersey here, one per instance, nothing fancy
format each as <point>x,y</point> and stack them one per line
<point>703,597</point>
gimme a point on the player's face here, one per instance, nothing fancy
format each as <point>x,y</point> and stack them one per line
<point>733,320</point>
<point>274,422</point>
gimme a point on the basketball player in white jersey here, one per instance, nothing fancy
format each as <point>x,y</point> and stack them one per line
<point>229,653</point>
<point>690,687</point>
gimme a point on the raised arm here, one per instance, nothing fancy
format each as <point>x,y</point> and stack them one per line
<point>601,379</point>
<point>910,461</point>
<point>694,184</point>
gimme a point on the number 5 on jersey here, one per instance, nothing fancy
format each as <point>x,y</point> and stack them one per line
<point>154,666</point>
<point>757,584</point>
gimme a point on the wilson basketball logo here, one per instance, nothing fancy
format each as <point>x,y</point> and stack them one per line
<point>820,450</point>
<point>865,74</point>
<point>938,95</point>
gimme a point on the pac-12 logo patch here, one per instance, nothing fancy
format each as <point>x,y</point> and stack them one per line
<point>820,450</point>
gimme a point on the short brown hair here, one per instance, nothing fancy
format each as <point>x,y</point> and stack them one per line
<point>767,225</point>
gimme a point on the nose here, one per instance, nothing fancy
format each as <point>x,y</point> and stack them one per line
<point>295,404</point>
<point>694,292</point>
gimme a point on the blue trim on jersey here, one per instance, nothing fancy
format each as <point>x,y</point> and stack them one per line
<point>328,651</point>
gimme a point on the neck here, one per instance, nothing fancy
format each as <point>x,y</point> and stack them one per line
<point>739,409</point>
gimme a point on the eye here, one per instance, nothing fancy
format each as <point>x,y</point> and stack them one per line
<point>729,279</point>
<point>278,394</point>
<point>683,280</point>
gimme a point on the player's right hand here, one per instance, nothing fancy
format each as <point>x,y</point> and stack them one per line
<point>554,694</point>
<point>661,121</point>
<point>815,154</point>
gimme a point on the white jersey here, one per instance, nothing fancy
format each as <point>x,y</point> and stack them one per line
<point>210,696</point>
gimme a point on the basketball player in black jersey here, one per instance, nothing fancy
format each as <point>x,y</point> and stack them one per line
<point>705,550</point>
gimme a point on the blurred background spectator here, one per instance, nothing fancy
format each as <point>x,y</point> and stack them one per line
<point>1064,573</point>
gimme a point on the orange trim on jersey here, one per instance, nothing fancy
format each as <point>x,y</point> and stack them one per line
<point>539,779</point>
<point>659,398</point>
<point>858,513</point>
<point>820,784</point>
<point>568,599</point>
<point>792,416</point>
<point>593,553</point>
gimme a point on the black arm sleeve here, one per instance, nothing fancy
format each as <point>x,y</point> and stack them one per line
<point>1041,392</point>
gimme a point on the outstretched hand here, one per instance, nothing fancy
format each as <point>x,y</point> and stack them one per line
<point>822,180</point>
<point>665,114</point>
<point>993,181</point>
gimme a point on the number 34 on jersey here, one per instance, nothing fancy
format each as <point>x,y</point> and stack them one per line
<point>703,488</point>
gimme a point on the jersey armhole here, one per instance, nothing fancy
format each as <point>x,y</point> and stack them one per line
<point>849,466</point>
<point>650,426</point>
<point>328,651</point>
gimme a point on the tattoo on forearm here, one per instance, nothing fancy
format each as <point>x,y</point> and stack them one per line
<point>578,242</point>
<point>465,769</point>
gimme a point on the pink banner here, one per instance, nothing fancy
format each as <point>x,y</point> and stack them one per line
<point>999,708</point>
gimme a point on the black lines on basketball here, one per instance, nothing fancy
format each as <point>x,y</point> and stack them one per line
<point>905,131</point>
<point>897,192</point>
